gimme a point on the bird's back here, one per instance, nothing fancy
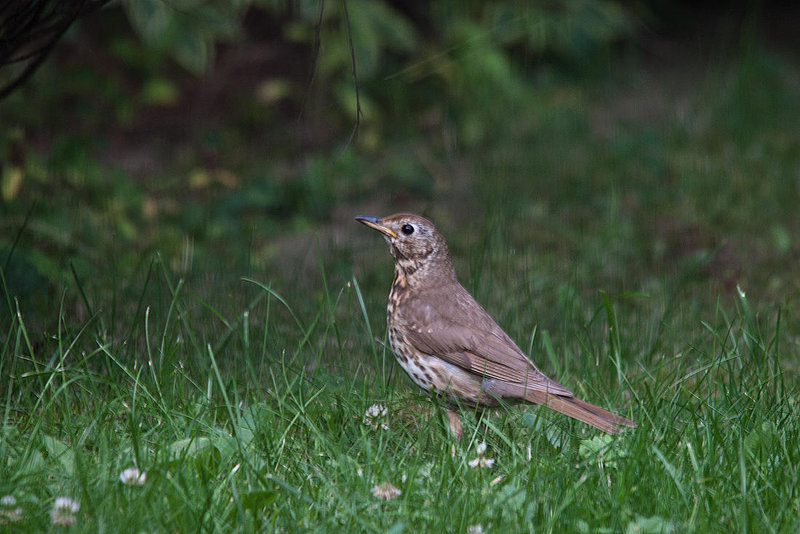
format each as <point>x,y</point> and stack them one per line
<point>447,322</point>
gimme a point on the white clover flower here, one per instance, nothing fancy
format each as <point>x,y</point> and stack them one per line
<point>62,513</point>
<point>375,416</point>
<point>10,515</point>
<point>481,460</point>
<point>133,477</point>
<point>475,529</point>
<point>9,511</point>
<point>386,491</point>
<point>376,410</point>
<point>67,504</point>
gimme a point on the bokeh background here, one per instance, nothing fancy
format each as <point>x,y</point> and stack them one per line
<point>647,147</point>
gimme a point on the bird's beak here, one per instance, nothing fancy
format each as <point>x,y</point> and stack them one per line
<point>374,222</point>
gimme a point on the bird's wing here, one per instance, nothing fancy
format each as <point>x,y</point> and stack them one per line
<point>468,337</point>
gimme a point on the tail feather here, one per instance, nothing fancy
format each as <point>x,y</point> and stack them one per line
<point>582,411</point>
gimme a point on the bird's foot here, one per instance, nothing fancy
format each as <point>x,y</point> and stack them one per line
<point>455,424</point>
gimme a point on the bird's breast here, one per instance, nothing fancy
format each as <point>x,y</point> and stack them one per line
<point>397,295</point>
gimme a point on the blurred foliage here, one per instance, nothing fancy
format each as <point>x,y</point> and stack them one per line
<point>465,49</point>
<point>473,55</point>
<point>187,30</point>
<point>216,133</point>
<point>69,197</point>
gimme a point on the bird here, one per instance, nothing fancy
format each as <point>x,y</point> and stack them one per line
<point>450,346</point>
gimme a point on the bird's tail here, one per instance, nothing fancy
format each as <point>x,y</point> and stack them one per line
<point>582,411</point>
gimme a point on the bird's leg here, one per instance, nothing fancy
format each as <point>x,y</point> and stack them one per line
<point>455,423</point>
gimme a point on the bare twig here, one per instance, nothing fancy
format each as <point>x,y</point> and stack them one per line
<point>317,51</point>
<point>33,31</point>
<point>355,78</point>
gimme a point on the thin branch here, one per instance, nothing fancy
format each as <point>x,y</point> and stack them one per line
<point>317,51</point>
<point>34,27</point>
<point>355,78</point>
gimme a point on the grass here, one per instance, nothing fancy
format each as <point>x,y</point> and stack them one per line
<point>263,427</point>
<point>651,270</point>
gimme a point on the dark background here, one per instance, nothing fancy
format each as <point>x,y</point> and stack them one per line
<point>224,142</point>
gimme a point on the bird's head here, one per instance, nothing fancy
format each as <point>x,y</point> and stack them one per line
<point>416,245</point>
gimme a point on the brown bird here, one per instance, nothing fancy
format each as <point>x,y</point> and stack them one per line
<point>449,345</point>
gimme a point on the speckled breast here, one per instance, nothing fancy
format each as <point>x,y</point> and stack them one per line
<point>429,372</point>
<point>412,362</point>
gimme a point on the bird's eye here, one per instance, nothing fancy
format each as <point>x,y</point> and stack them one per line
<point>407,229</point>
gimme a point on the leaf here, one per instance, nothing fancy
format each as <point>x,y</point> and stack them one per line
<point>191,50</point>
<point>60,451</point>
<point>201,448</point>
<point>11,182</point>
<point>394,28</point>
<point>30,465</point>
<point>600,448</point>
<point>149,17</point>
<point>538,423</point>
<point>246,426</point>
<point>160,91</point>
<point>375,28</point>
<point>596,446</point>
<point>225,444</point>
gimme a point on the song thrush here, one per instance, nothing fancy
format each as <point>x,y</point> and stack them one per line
<point>449,345</point>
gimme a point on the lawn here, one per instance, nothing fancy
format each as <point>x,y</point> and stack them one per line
<point>637,235</point>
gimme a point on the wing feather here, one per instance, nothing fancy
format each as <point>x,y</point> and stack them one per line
<point>475,342</point>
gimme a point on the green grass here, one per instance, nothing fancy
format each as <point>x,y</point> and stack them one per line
<point>652,270</point>
<point>261,426</point>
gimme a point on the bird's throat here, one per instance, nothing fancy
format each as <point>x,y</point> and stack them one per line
<point>399,284</point>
